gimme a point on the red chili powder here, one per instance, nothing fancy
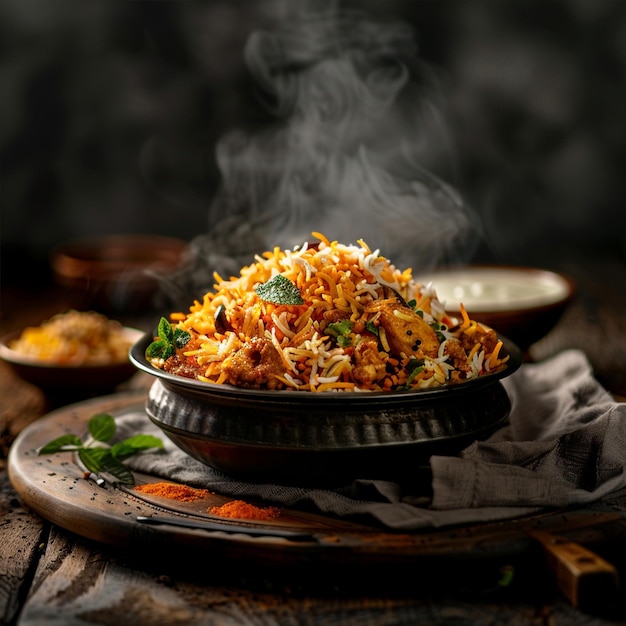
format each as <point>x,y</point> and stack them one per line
<point>243,510</point>
<point>182,493</point>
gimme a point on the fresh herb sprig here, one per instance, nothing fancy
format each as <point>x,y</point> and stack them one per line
<point>279,290</point>
<point>341,331</point>
<point>167,341</point>
<point>97,454</point>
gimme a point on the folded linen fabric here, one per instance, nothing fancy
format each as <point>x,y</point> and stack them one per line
<point>564,444</point>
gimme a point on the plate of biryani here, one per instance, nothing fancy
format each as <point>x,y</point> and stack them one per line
<point>82,350</point>
<point>313,357</point>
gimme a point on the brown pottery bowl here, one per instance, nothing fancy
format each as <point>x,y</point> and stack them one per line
<point>82,379</point>
<point>300,437</point>
<point>115,273</point>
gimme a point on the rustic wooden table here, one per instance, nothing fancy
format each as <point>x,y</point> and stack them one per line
<point>49,575</point>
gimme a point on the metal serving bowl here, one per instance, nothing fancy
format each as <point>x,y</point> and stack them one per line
<point>300,437</point>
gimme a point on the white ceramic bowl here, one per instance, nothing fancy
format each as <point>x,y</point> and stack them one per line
<point>522,303</point>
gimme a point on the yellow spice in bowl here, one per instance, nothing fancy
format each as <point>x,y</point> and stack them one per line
<point>74,338</point>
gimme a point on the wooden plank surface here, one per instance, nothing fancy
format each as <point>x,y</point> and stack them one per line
<point>73,587</point>
<point>49,575</point>
<point>55,487</point>
<point>22,539</point>
<point>472,558</point>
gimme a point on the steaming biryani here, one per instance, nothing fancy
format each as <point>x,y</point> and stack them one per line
<point>324,317</point>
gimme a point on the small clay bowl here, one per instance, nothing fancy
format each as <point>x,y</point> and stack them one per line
<point>116,273</point>
<point>57,378</point>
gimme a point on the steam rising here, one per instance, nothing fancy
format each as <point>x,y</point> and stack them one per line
<point>353,118</point>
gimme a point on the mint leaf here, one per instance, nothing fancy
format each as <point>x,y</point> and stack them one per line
<point>167,341</point>
<point>279,290</point>
<point>98,460</point>
<point>137,443</point>
<point>102,427</point>
<point>113,466</point>
<point>164,330</point>
<point>181,338</point>
<point>98,457</point>
<point>159,349</point>
<point>92,458</point>
<point>61,444</point>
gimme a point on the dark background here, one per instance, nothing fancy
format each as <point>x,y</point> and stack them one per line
<point>111,113</point>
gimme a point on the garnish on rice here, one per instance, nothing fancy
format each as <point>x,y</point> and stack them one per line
<point>325,317</point>
<point>279,290</point>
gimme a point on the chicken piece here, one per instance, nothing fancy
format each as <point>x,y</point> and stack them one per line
<point>184,366</point>
<point>486,337</point>
<point>369,367</point>
<point>454,348</point>
<point>254,365</point>
<point>334,315</point>
<point>181,366</point>
<point>407,333</point>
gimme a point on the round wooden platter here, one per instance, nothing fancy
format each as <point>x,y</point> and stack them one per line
<point>55,487</point>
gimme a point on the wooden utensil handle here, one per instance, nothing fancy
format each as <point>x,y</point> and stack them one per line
<point>585,578</point>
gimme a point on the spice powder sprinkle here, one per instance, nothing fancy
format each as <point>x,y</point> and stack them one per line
<point>182,493</point>
<point>244,510</point>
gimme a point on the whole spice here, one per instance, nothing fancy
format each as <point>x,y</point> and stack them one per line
<point>182,493</point>
<point>244,510</point>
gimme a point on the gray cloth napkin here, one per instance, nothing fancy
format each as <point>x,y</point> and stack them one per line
<point>564,444</point>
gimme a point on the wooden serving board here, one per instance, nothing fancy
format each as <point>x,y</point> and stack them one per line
<point>55,487</point>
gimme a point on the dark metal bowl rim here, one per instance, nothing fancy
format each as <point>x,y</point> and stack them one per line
<point>199,389</point>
